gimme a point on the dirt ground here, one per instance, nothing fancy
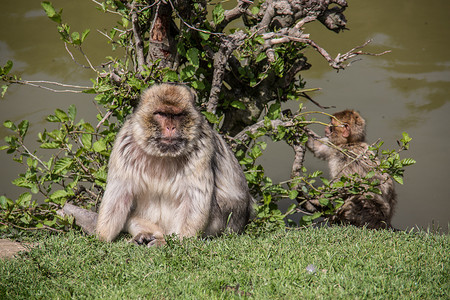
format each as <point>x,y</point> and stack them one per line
<point>9,248</point>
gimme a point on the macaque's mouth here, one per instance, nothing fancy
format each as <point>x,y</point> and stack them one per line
<point>171,145</point>
<point>171,141</point>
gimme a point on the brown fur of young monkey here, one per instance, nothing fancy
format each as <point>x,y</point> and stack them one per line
<point>171,173</point>
<point>348,133</point>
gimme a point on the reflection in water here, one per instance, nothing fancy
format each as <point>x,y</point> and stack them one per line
<point>435,95</point>
<point>405,90</point>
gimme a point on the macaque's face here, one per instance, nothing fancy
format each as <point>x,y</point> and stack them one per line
<point>332,129</point>
<point>336,132</point>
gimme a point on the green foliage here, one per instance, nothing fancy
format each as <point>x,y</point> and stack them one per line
<point>70,164</point>
<point>5,77</point>
<point>76,171</point>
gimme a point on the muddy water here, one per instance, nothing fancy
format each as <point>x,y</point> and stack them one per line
<point>406,90</point>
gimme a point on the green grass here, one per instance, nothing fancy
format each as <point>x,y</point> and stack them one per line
<point>350,262</point>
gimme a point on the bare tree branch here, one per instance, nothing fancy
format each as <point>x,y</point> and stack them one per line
<point>138,41</point>
<point>229,43</point>
<point>39,84</point>
<point>84,218</point>
<point>243,136</point>
<point>233,14</point>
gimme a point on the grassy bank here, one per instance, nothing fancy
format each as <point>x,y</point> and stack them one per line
<point>337,262</point>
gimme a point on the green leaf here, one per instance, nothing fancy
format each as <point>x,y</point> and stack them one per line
<point>58,194</point>
<point>72,112</point>
<point>61,115</point>
<point>255,152</point>
<point>204,35</point>
<point>212,118</point>
<point>261,56</point>
<point>408,162</point>
<point>193,57</point>
<point>100,177</point>
<point>274,111</point>
<point>198,85</point>
<point>398,178</point>
<point>238,104</point>
<point>88,127</point>
<point>51,145</point>
<point>325,181</point>
<point>62,164</point>
<point>316,174</point>
<point>85,34</point>
<point>255,10</point>
<point>170,76</point>
<point>89,91</point>
<point>324,201</point>
<point>125,21</point>
<point>187,72</point>
<point>338,184</point>
<point>181,50</point>
<point>405,140</point>
<point>24,199</point>
<point>22,182</point>
<point>293,194</point>
<point>4,202</point>
<point>291,208</point>
<point>370,174</point>
<point>99,146</point>
<point>52,118</point>
<point>218,14</point>
<point>34,188</point>
<point>50,11</point>
<point>4,89</point>
<point>10,125</point>
<point>64,30</point>
<point>5,70</point>
<point>76,38</point>
<point>309,219</point>
<point>259,39</point>
<point>23,127</point>
<point>406,137</point>
<point>246,160</point>
<point>86,139</point>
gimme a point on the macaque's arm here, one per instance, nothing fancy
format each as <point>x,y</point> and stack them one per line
<point>318,145</point>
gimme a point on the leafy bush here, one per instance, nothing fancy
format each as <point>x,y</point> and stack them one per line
<point>242,76</point>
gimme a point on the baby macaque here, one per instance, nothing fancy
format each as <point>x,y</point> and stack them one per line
<point>171,173</point>
<point>347,132</point>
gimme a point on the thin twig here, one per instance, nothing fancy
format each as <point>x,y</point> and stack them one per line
<point>30,228</point>
<point>104,119</point>
<point>190,26</point>
<point>57,83</point>
<point>303,94</point>
<point>34,156</point>
<point>30,83</point>
<point>110,11</point>
<point>85,57</point>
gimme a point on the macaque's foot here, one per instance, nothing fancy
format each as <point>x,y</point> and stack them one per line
<point>156,243</point>
<point>143,238</point>
<point>148,239</point>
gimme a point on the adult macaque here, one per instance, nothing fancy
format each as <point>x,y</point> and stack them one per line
<point>171,173</point>
<point>347,132</point>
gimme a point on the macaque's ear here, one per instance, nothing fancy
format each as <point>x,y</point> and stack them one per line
<point>346,131</point>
